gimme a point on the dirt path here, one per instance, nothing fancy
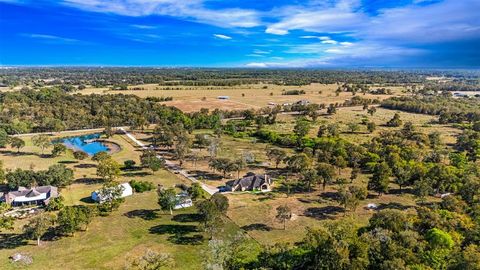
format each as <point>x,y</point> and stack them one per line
<point>171,166</point>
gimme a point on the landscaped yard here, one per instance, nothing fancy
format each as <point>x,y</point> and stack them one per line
<point>110,241</point>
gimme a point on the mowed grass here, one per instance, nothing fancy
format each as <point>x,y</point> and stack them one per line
<point>110,241</point>
<point>253,96</point>
<point>255,213</point>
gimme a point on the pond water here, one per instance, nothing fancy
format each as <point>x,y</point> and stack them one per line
<point>84,144</point>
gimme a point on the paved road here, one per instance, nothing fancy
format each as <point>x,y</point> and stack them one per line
<point>171,166</point>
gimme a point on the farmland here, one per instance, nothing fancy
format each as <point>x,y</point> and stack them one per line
<point>341,159</point>
<point>255,96</point>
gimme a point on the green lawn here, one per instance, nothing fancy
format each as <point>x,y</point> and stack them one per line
<point>109,241</point>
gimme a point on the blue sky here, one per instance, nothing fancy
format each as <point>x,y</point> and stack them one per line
<point>241,33</point>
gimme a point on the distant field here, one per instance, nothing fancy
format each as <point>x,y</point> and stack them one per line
<point>242,97</point>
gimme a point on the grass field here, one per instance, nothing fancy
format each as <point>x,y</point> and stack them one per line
<point>242,97</point>
<point>110,241</point>
<point>424,123</point>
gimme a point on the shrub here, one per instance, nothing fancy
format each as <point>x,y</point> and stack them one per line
<point>55,204</point>
<point>129,164</point>
<point>142,186</point>
<point>80,155</point>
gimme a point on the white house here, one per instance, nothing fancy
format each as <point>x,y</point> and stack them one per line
<point>103,195</point>
<point>27,196</point>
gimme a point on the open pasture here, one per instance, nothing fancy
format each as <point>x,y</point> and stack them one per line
<point>190,98</point>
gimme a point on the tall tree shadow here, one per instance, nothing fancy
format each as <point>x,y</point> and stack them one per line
<point>11,240</point>
<point>257,227</point>
<point>187,218</point>
<point>146,214</point>
<point>179,234</point>
<point>321,213</point>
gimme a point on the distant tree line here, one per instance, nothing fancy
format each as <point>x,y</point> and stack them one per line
<point>449,110</point>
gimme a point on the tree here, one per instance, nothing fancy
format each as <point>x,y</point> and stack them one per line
<point>326,172</point>
<point>210,216</point>
<point>58,149</point>
<point>5,221</point>
<point>371,127</point>
<point>41,141</point>
<point>56,175</point>
<point>21,178</point>
<point>108,169</point>
<point>277,155</point>
<point>340,162</point>
<point>150,160</point>
<point>38,226</point>
<point>395,121</point>
<point>310,177</point>
<point>3,138</point>
<point>129,164</point>
<point>350,197</point>
<point>353,127</point>
<point>211,212</point>
<point>224,165</point>
<point>102,155</point>
<point>301,128</point>
<point>74,218</point>
<point>2,172</point>
<point>380,179</point>
<point>239,165</point>
<point>182,148</point>
<point>284,213</point>
<point>16,142</point>
<point>196,191</point>
<point>372,110</point>
<point>331,109</point>
<point>167,199</point>
<point>55,204</point>
<point>151,260</point>
<point>80,155</point>
<point>298,162</point>
<point>354,174</point>
<point>221,202</point>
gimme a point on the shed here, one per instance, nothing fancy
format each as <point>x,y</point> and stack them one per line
<point>98,196</point>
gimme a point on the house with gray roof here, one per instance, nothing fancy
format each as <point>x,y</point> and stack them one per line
<point>251,182</point>
<point>27,196</point>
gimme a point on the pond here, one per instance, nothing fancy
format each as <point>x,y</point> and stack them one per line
<point>86,143</point>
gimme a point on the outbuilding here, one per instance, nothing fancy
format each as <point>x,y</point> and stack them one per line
<point>101,196</point>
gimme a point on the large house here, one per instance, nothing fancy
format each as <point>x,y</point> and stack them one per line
<point>28,196</point>
<point>251,182</point>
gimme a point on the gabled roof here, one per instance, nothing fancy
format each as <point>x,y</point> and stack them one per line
<point>31,194</point>
<point>250,181</point>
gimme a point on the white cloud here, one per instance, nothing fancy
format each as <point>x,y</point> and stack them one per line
<point>329,41</point>
<point>346,44</point>
<point>257,51</point>
<point>276,31</point>
<point>50,38</point>
<point>429,22</point>
<point>326,17</point>
<point>142,26</point>
<point>192,10</point>
<point>257,65</point>
<point>220,36</point>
